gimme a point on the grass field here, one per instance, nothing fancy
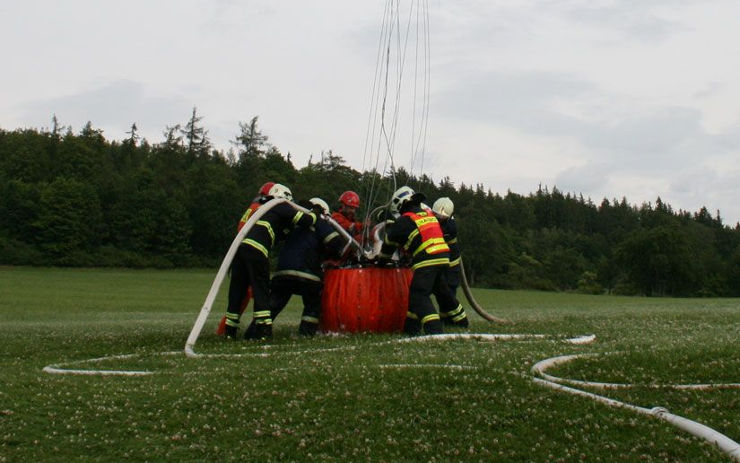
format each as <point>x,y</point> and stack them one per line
<point>349,398</point>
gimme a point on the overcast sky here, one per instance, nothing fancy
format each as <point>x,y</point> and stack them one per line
<point>635,98</point>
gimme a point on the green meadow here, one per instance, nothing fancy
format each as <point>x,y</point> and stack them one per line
<point>367,397</point>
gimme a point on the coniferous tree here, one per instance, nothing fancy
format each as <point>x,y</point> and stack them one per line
<point>196,136</point>
<point>133,135</point>
<point>251,140</point>
<point>79,199</point>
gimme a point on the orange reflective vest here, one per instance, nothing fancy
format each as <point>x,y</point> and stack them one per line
<point>432,241</point>
<point>247,214</point>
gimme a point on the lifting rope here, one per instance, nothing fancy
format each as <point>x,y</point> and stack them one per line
<point>387,96</point>
<point>381,138</point>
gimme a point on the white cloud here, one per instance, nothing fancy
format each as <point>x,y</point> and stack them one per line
<point>601,97</point>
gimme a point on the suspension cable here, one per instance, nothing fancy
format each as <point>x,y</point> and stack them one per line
<point>387,98</point>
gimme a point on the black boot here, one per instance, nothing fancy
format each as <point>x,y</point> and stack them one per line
<point>230,332</point>
<point>257,331</point>
<point>251,332</point>
<point>433,327</point>
<point>307,328</point>
<point>411,326</point>
<point>463,323</point>
<point>455,318</point>
<point>264,331</point>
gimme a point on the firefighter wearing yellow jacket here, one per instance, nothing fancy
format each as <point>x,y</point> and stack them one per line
<point>417,233</point>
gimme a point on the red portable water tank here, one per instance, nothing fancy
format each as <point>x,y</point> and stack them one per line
<point>365,299</point>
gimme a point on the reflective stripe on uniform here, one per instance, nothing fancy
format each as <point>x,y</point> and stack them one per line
<point>331,236</point>
<point>258,246</point>
<point>430,262</point>
<point>429,318</point>
<point>248,213</point>
<point>459,317</point>
<point>437,248</point>
<point>309,319</point>
<point>232,319</point>
<point>425,221</point>
<point>262,314</point>
<point>453,312</point>
<point>455,262</point>
<point>297,217</point>
<point>430,233</point>
<point>432,245</point>
<point>268,226</point>
<point>412,235</point>
<point>297,273</point>
<point>412,315</point>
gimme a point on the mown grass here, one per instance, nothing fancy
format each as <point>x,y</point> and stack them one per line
<point>348,398</point>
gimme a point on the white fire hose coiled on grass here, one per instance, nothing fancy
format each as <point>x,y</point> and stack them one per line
<point>723,442</point>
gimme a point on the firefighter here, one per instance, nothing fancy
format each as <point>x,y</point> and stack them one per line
<point>417,233</point>
<point>260,199</point>
<point>345,216</point>
<point>299,269</point>
<point>251,264</point>
<point>443,209</point>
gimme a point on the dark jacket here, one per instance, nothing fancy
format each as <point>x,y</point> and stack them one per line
<point>449,230</point>
<point>275,225</point>
<point>306,248</point>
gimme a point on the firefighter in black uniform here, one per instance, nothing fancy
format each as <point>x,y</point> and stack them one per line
<point>443,209</point>
<point>299,268</point>
<point>260,199</point>
<point>251,264</point>
<point>417,232</point>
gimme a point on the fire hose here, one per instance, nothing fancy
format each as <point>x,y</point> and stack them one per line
<point>471,300</point>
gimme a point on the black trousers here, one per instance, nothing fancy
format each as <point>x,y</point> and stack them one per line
<point>249,268</point>
<point>282,288</point>
<point>453,279</point>
<point>425,282</point>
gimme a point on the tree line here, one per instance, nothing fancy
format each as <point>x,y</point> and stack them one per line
<point>77,199</point>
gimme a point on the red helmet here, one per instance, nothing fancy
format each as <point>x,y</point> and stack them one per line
<point>350,199</point>
<point>265,189</point>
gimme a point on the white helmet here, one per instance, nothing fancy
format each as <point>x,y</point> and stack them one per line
<point>321,203</point>
<point>443,207</point>
<point>280,191</point>
<point>400,197</point>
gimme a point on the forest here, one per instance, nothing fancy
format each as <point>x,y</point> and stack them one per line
<point>79,200</point>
